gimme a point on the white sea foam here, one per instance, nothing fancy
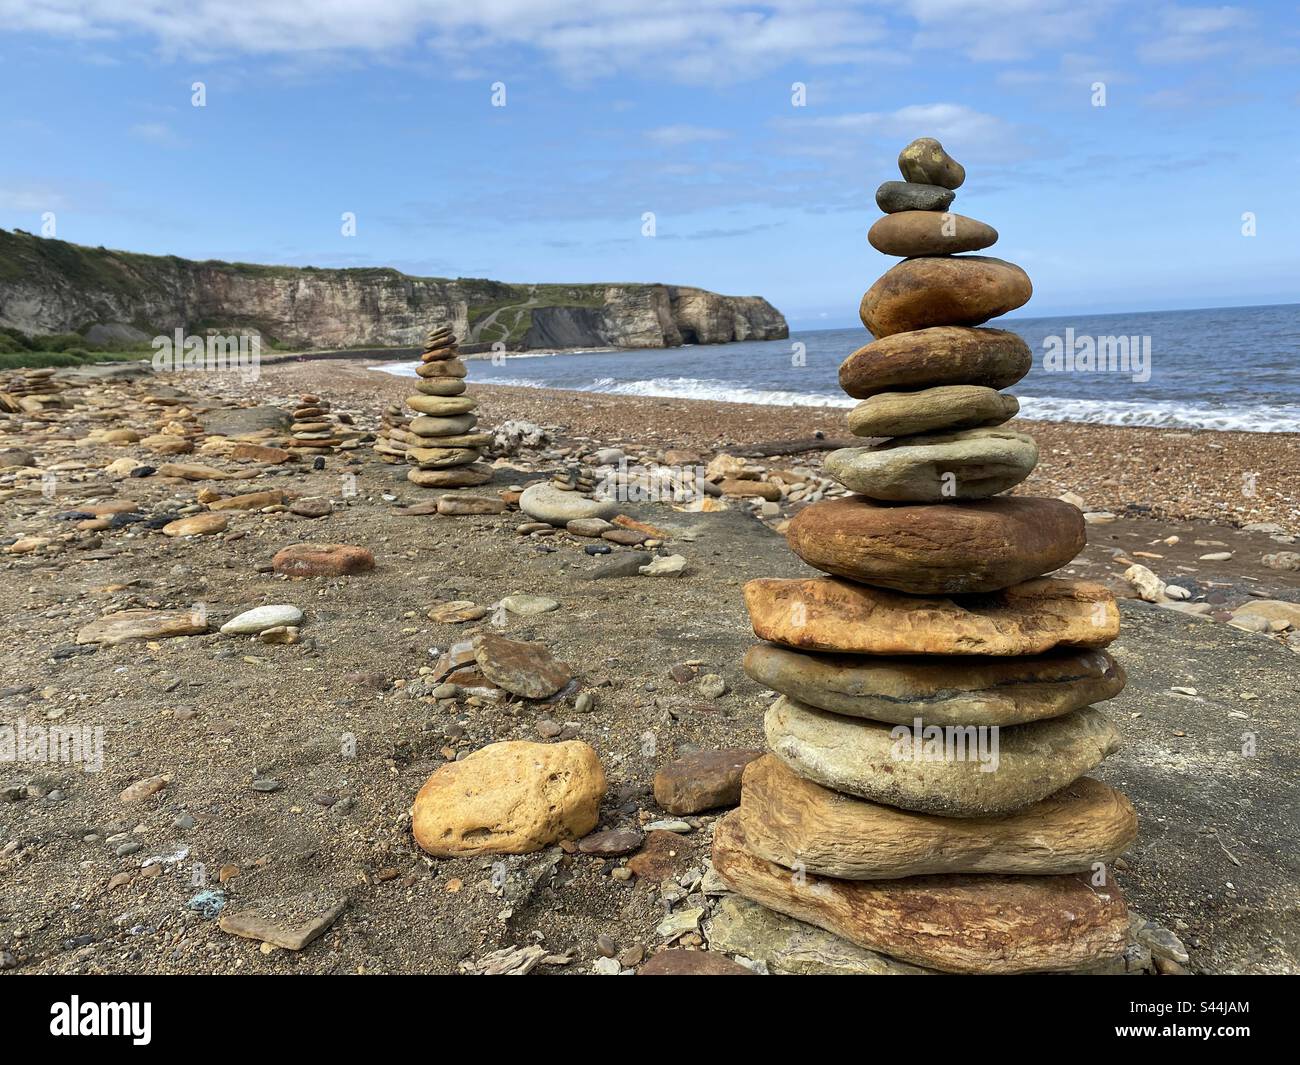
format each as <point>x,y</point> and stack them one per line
<point>727,392</point>
<point>1164,414</point>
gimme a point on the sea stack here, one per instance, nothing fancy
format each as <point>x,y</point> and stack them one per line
<point>439,437</point>
<point>926,793</point>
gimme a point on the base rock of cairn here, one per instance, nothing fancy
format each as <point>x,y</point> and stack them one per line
<point>926,796</point>
<point>953,923</point>
<point>439,436</point>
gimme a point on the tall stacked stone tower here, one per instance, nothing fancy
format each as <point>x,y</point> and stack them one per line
<point>440,439</point>
<point>925,793</point>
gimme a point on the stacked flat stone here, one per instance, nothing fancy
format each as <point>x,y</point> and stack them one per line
<point>394,428</point>
<point>936,627</point>
<point>440,439</point>
<point>581,479</point>
<point>31,383</point>
<point>314,429</point>
<point>32,390</point>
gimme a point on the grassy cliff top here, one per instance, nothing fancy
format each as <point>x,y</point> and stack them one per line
<point>22,253</point>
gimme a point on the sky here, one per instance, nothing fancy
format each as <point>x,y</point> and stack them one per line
<point>1125,152</point>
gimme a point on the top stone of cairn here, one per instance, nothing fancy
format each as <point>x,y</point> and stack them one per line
<point>925,162</point>
<point>439,337</point>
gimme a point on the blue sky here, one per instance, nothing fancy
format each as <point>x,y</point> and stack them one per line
<point>615,108</point>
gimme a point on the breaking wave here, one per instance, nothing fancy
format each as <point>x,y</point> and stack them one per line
<point>1161,414</point>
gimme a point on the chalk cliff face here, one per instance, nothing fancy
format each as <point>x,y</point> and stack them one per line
<point>50,286</point>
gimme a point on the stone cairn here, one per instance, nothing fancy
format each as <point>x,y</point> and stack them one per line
<point>388,447</point>
<point>924,796</point>
<point>314,429</point>
<point>581,479</point>
<point>439,439</point>
<point>31,391</point>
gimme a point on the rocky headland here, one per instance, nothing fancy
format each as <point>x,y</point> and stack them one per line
<point>51,287</point>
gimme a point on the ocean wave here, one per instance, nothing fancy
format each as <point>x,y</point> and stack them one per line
<point>397,369</point>
<point>689,388</point>
<point>407,369</point>
<point>1159,414</point>
<point>1163,414</point>
<point>511,356</point>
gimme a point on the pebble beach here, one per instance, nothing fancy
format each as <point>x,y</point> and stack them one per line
<point>275,739</point>
<point>1232,478</point>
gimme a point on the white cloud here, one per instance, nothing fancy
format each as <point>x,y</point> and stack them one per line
<point>956,125</point>
<point>33,198</point>
<point>1190,33</point>
<point>1005,30</point>
<point>154,132</point>
<point>688,41</point>
<point>672,135</point>
<point>691,40</point>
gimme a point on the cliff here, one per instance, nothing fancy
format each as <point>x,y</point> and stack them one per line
<point>51,286</point>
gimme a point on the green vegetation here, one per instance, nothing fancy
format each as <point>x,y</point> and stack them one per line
<point>23,254</point>
<point>36,360</point>
<point>20,351</point>
<point>508,316</point>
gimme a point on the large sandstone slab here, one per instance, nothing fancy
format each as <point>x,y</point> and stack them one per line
<point>322,560</point>
<point>469,476</point>
<point>941,548</point>
<point>970,464</point>
<point>521,667</point>
<point>946,407</point>
<point>910,233</point>
<point>204,524</point>
<point>954,770</point>
<point>510,798</point>
<point>440,386</point>
<point>545,502</point>
<point>291,922</point>
<point>243,421</point>
<point>441,406</point>
<point>943,355</point>
<point>436,458</point>
<point>793,948</point>
<point>958,923</point>
<point>453,425</point>
<point>681,962</point>
<point>801,825</point>
<point>451,367</point>
<point>829,614</point>
<point>414,442</point>
<point>702,780</point>
<point>124,625</point>
<point>967,690</point>
<point>943,290</point>
<point>251,500</point>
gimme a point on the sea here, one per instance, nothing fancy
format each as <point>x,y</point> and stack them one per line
<point>1232,368</point>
